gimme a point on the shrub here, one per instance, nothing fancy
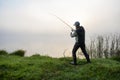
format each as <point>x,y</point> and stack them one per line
<point>104,46</point>
<point>3,52</point>
<point>36,55</point>
<point>18,53</point>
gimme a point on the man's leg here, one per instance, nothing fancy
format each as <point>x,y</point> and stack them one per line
<point>75,48</point>
<point>85,52</point>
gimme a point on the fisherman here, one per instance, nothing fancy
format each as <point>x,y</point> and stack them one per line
<point>79,35</point>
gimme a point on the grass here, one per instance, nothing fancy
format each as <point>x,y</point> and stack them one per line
<point>46,68</point>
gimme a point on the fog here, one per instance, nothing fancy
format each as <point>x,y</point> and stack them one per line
<point>29,25</point>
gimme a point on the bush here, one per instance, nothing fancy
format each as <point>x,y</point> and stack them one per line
<point>3,52</point>
<point>18,53</point>
<point>104,46</point>
<point>36,55</point>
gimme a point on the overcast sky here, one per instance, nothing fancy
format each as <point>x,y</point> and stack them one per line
<point>34,15</point>
<point>28,24</point>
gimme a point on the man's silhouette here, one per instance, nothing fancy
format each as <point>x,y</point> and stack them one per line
<point>79,35</point>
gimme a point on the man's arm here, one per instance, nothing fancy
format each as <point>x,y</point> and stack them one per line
<point>73,33</point>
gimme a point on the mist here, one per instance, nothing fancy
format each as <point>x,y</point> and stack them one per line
<point>28,25</point>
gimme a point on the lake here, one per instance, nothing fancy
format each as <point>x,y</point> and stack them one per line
<point>43,44</point>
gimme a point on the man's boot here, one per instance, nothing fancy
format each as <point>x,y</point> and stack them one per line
<point>88,59</point>
<point>74,62</point>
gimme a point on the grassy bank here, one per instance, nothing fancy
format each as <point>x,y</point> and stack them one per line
<point>47,68</point>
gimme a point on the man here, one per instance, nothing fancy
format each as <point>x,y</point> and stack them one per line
<point>79,35</point>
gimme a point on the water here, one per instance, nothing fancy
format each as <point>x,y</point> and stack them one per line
<point>52,45</point>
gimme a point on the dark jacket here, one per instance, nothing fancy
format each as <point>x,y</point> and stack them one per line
<point>79,34</point>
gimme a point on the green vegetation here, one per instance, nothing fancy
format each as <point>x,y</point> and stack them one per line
<point>46,68</point>
<point>17,53</point>
<point>3,52</point>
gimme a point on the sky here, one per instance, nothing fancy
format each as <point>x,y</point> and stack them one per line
<point>28,19</point>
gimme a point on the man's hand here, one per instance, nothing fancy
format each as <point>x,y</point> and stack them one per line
<point>72,30</point>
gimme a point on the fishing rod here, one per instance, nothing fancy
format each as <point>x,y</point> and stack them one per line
<point>63,21</point>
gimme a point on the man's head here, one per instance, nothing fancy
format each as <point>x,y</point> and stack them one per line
<point>77,24</point>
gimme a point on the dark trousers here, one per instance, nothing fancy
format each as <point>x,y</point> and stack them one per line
<point>75,48</point>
